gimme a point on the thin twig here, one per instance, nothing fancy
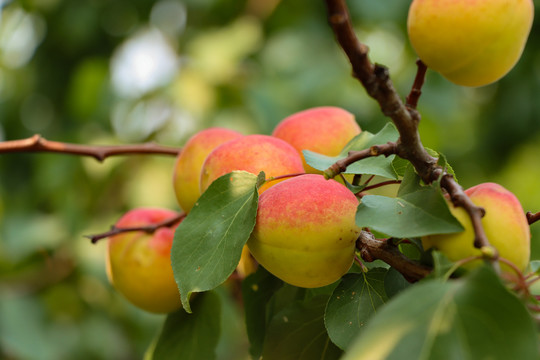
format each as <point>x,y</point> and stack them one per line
<point>281,177</point>
<point>533,217</point>
<point>37,143</point>
<point>354,156</point>
<point>381,184</point>
<point>416,91</point>
<point>146,228</point>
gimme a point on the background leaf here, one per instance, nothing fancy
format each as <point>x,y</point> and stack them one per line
<point>298,333</point>
<point>472,318</point>
<point>208,243</point>
<point>191,336</point>
<point>379,165</point>
<point>352,304</point>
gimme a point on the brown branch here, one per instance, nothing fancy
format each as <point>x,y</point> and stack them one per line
<point>377,83</point>
<point>533,217</point>
<point>372,249</point>
<point>146,228</point>
<point>37,143</point>
<point>416,91</point>
<point>354,156</point>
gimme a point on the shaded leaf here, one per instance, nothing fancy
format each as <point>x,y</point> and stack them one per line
<point>191,336</point>
<point>298,333</point>
<point>394,283</point>
<point>378,165</point>
<point>441,265</point>
<point>471,318</point>
<point>353,302</point>
<point>257,290</point>
<point>208,244</point>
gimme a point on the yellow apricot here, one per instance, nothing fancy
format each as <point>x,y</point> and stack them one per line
<point>187,170</point>
<point>139,264</point>
<point>470,42</point>
<point>505,225</point>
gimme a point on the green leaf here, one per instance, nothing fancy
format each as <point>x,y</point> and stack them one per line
<point>535,266</point>
<point>394,283</point>
<point>400,165</point>
<point>208,244</point>
<point>441,265</point>
<point>355,189</point>
<point>354,301</point>
<point>298,333</point>
<point>378,165</point>
<point>257,290</point>
<point>191,336</point>
<point>442,161</point>
<point>471,318</point>
<point>416,211</point>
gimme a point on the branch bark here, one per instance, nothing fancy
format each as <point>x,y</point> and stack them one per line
<point>37,143</point>
<point>372,249</point>
<point>533,217</point>
<point>147,228</point>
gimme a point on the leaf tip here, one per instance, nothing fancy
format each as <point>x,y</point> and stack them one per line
<point>185,301</point>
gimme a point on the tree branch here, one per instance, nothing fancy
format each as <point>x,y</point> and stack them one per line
<point>416,91</point>
<point>146,228</point>
<point>533,217</point>
<point>377,83</point>
<point>372,249</point>
<point>37,143</point>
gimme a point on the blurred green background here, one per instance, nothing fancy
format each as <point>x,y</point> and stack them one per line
<point>128,71</point>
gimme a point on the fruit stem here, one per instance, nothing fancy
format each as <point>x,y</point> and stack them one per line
<point>283,177</point>
<point>459,264</point>
<point>381,184</point>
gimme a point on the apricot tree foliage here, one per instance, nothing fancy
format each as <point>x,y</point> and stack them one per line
<point>397,301</point>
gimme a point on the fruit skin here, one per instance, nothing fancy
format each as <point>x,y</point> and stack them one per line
<point>305,231</point>
<point>252,153</point>
<point>505,225</point>
<point>139,264</point>
<point>187,170</point>
<point>324,130</point>
<point>470,42</point>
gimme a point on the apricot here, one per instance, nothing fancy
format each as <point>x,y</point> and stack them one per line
<point>505,225</point>
<point>324,130</point>
<point>187,170</point>
<point>139,264</point>
<point>470,42</point>
<point>305,231</point>
<point>252,153</point>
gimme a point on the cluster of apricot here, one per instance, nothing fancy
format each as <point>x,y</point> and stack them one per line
<point>305,230</point>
